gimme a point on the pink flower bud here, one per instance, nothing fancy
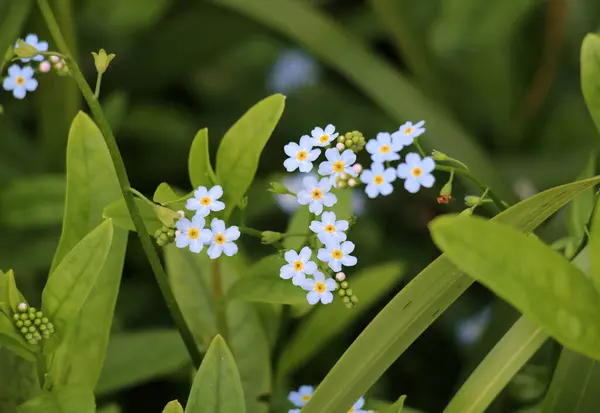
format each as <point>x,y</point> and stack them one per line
<point>340,276</point>
<point>45,66</point>
<point>58,65</point>
<point>181,213</point>
<point>54,59</point>
<point>352,182</point>
<point>357,168</point>
<point>177,233</point>
<point>343,176</point>
<point>340,146</point>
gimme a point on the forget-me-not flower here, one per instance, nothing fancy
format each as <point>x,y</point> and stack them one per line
<point>416,172</point>
<point>206,200</point>
<point>298,265</point>
<point>337,255</point>
<point>20,81</point>
<point>293,70</point>
<point>384,148</point>
<point>33,40</point>
<point>316,194</point>
<point>408,132</point>
<point>300,156</point>
<point>378,180</point>
<point>189,233</point>
<point>323,137</point>
<point>319,289</point>
<point>302,396</point>
<point>357,407</point>
<point>337,164</point>
<point>328,229</point>
<point>220,239</point>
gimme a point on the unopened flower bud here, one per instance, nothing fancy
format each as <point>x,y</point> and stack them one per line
<point>270,237</point>
<point>346,300</point>
<point>439,156</point>
<point>23,307</point>
<point>340,146</point>
<point>19,324</point>
<point>352,182</point>
<point>349,291</point>
<point>278,188</point>
<point>340,276</point>
<point>25,50</point>
<point>45,66</point>
<point>357,168</point>
<point>181,214</point>
<point>354,299</point>
<point>16,317</point>
<point>102,60</point>
<point>45,320</point>
<point>344,176</point>
<point>24,330</point>
<point>341,292</point>
<point>29,337</point>
<point>27,323</point>
<point>54,59</point>
<point>472,200</point>
<point>341,184</point>
<point>37,322</point>
<point>243,204</point>
<point>344,284</point>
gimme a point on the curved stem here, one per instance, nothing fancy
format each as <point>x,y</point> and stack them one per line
<point>218,302</point>
<point>111,143</point>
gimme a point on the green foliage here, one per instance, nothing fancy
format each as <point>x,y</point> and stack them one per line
<point>72,399</point>
<point>118,213</point>
<point>397,407</point>
<point>266,289</point>
<point>11,25</point>
<point>200,170</point>
<point>173,407</point>
<point>595,246</point>
<point>590,75</point>
<point>217,387</point>
<point>18,380</point>
<point>581,208</point>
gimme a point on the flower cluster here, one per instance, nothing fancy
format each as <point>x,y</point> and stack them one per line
<point>192,234</point>
<point>303,395</point>
<point>32,324</point>
<point>385,148</point>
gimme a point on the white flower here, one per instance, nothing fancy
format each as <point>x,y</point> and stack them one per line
<point>302,396</point>
<point>298,266</point>
<point>336,255</point>
<point>408,132</point>
<point>189,233</point>
<point>316,194</point>
<point>300,156</point>
<point>329,230</point>
<point>417,172</point>
<point>383,148</point>
<point>206,200</point>
<point>220,239</point>
<point>319,289</point>
<point>337,164</point>
<point>378,180</point>
<point>323,137</point>
<point>357,407</point>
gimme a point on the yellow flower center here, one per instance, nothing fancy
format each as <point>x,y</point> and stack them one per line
<point>385,148</point>
<point>339,166</point>
<point>205,201</point>
<point>351,410</point>
<point>337,254</point>
<point>324,138</point>
<point>330,228</point>
<point>416,172</point>
<point>378,179</point>
<point>320,287</point>
<point>301,155</point>
<point>305,398</point>
<point>20,80</point>
<point>298,265</point>
<point>220,239</point>
<point>193,233</point>
<point>408,131</point>
<point>317,194</point>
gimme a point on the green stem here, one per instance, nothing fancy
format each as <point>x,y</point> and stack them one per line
<point>98,84</point>
<point>251,231</point>
<point>218,302</point>
<point>111,143</point>
<point>141,196</point>
<point>499,203</point>
<point>418,146</point>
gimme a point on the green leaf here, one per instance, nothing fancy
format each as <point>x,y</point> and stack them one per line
<point>581,207</point>
<point>33,202</point>
<point>594,245</point>
<point>200,170</point>
<point>298,225</point>
<point>590,75</point>
<point>528,274</point>
<point>118,212</point>
<point>139,357</point>
<point>217,387</point>
<point>18,380</point>
<point>343,206</point>
<point>14,295</point>
<point>173,407</point>
<point>72,399</point>
<point>377,79</point>
<point>241,147</point>
<point>397,407</point>
<point>493,374</point>
<point>13,340</point>
<point>266,289</point>
<point>72,281</point>
<point>328,321</point>
<point>11,26</point>
<point>403,320</point>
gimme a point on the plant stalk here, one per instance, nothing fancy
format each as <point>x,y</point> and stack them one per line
<point>218,302</point>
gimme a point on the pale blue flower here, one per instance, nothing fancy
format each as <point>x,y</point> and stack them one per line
<point>33,40</point>
<point>206,200</point>
<point>337,255</point>
<point>337,164</point>
<point>384,148</point>
<point>20,81</point>
<point>294,411</point>
<point>293,70</point>
<point>329,230</point>
<point>302,396</point>
<point>298,265</point>
<point>319,289</point>
<point>189,233</point>
<point>300,156</point>
<point>220,239</point>
<point>323,137</point>
<point>378,180</point>
<point>316,194</point>
<point>416,172</point>
<point>357,407</point>
<point>408,132</point>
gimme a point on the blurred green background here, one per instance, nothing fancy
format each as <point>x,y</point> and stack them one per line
<point>496,81</point>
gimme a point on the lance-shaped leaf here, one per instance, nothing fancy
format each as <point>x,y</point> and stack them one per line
<point>200,170</point>
<point>71,399</point>
<point>590,75</point>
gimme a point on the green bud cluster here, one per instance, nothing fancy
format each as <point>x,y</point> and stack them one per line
<point>348,297</point>
<point>32,324</point>
<point>164,235</point>
<point>354,141</point>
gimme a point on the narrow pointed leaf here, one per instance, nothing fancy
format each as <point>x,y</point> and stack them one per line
<point>200,170</point>
<point>173,407</point>
<point>590,75</point>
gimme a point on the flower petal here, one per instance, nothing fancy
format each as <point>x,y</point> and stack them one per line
<point>303,197</point>
<point>19,92</point>
<point>342,225</point>
<point>427,165</point>
<point>329,200</point>
<point>412,185</point>
<point>232,233</point>
<point>27,72</point>
<point>196,245</point>
<point>316,207</point>
<point>206,235</point>
<point>325,168</point>
<point>299,279</point>
<point>330,129</point>
<point>290,256</point>
<point>332,154</point>
<point>367,176</point>
<point>324,255</point>
<point>389,174</point>
<point>312,297</point>
<point>372,147</point>
<point>330,284</point>
<point>310,267</point>
<point>310,182</point>
<point>348,157</point>
<point>326,297</point>
<point>216,192</point>
<point>183,224</point>
<point>305,254</point>
<point>328,218</point>
<point>14,71</point>
<point>306,142</point>
<point>214,251</point>
<point>200,193</point>
<point>314,154</point>
<point>308,284</point>
<point>413,159</point>
<point>31,85</point>
<point>404,171</point>
<point>198,222</point>
<point>305,166</point>
<point>291,149</point>
<point>230,249</point>
<point>286,272</point>
<point>317,226</point>
<point>372,190</point>
<point>427,180</point>
<point>347,247</point>
<point>386,189</point>
<point>182,240</point>
<point>290,164</point>
<point>349,261</point>
<point>319,277</point>
<point>217,206</point>
<point>335,265</point>
<point>217,225</point>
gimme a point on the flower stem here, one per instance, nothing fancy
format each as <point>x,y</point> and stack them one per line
<point>218,302</point>
<point>418,146</point>
<point>251,231</point>
<point>98,84</point>
<point>111,143</point>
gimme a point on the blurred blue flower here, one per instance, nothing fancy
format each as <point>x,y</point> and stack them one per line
<point>302,396</point>
<point>470,329</point>
<point>293,70</point>
<point>33,40</point>
<point>20,81</point>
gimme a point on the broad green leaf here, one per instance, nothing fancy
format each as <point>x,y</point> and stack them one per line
<point>14,16</point>
<point>173,407</point>
<point>392,92</point>
<point>266,289</point>
<point>165,195</point>
<point>590,75</point>
<point>199,167</point>
<point>241,147</point>
<point>528,274</point>
<point>574,386</point>
<point>14,295</point>
<point>141,356</point>
<point>33,202</point>
<point>326,322</point>
<point>594,245</point>
<point>403,320</point>
<point>117,211</point>
<point>18,380</point>
<point>71,283</point>
<point>493,374</point>
<point>581,207</point>
<point>71,399</point>
<point>217,387</point>
<point>298,225</point>
<point>13,340</point>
